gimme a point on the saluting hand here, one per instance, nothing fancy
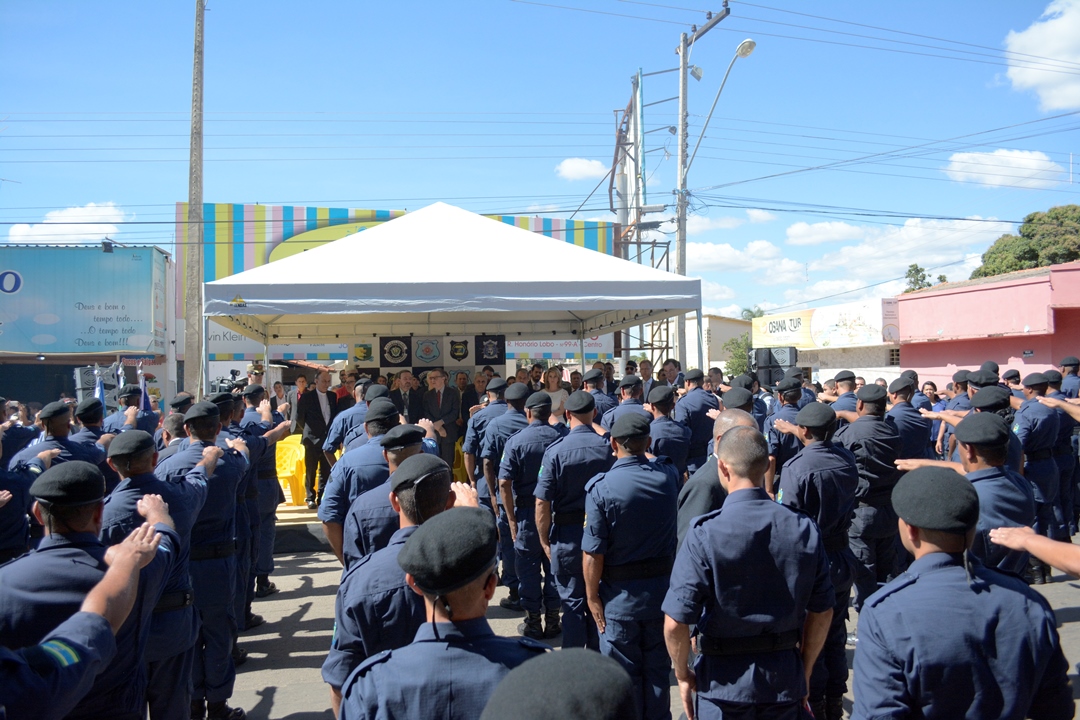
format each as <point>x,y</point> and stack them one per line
<point>46,457</point>
<point>139,547</point>
<point>237,444</point>
<point>464,495</point>
<point>5,497</point>
<point>154,509</point>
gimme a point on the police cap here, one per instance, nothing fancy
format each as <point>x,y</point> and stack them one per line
<point>87,406</point>
<point>450,550</point>
<point>630,425</point>
<point>991,366</point>
<point>901,383</point>
<point>982,428</point>
<point>991,398</point>
<point>496,385</point>
<point>737,397</point>
<point>53,410</point>
<point>417,469</point>
<point>816,415</point>
<point>960,376</point>
<point>181,402</point>
<point>695,375</point>
<point>793,372</point>
<point>630,381</point>
<point>131,442</point>
<point>221,398</point>
<point>204,409</point>
<point>375,392</point>
<point>1053,377</point>
<point>844,376</point>
<point>936,498</point>
<point>589,686</point>
<point>1035,378</point>
<point>661,394</point>
<point>872,393</point>
<point>982,378</point>
<point>1070,361</point>
<point>401,436</point>
<point>381,409</point>
<point>593,376</point>
<point>580,402</point>
<point>788,384</point>
<point>909,373</point>
<point>129,391</point>
<point>1011,375</point>
<point>538,399</point>
<point>253,390</point>
<point>70,483</point>
<point>742,381</point>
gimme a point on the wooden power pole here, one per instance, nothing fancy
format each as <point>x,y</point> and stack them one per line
<point>193,249</point>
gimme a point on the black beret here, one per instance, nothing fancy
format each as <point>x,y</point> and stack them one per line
<point>130,443</point>
<point>1010,375</point>
<point>737,397</point>
<point>418,468</point>
<point>401,436</point>
<point>742,381</point>
<point>580,402</point>
<point>694,375</point>
<point>661,394</point>
<point>871,393</point>
<point>630,425</point>
<point>588,686</point>
<point>991,366</point>
<point>982,378</point>
<point>538,399</point>
<point>181,401</point>
<point>53,409</point>
<point>594,375</point>
<point>375,392</point>
<point>1070,361</point>
<point>518,391</point>
<point>844,375</point>
<point>982,428</point>
<point>87,406</point>
<point>994,397</point>
<point>204,409</point>
<point>450,550</point>
<point>936,498</point>
<point>1035,378</point>
<point>1053,377</point>
<point>901,383</point>
<point>960,376</point>
<point>221,398</point>
<point>381,409</point>
<point>816,415</point>
<point>793,372</point>
<point>253,390</point>
<point>630,381</point>
<point>496,384</point>
<point>70,483</point>
<point>787,385</point>
<point>129,390</point>
<point>909,373</point>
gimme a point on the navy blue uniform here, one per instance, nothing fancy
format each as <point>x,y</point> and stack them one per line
<point>1036,426</point>
<point>247,513</point>
<point>630,405</point>
<point>522,457</point>
<point>700,495</point>
<point>14,522</point>
<point>1005,500</point>
<point>346,427</point>
<point>760,411</point>
<point>145,420</point>
<point>821,481</point>
<point>933,644</point>
<point>782,447</point>
<point>69,450</point>
<point>751,568</point>
<point>567,467</point>
<point>212,567</point>
<point>1065,458</point>
<point>46,681</point>
<point>630,516</point>
<point>448,671</point>
<point>375,610</point>
<point>604,402</point>
<point>920,402</point>
<point>847,402</point>
<point>872,536</point>
<point>48,585</point>
<point>960,403</point>
<point>174,627</point>
<point>354,474</point>
<point>671,439</point>
<point>264,513</point>
<point>16,438</point>
<point>914,430</point>
<point>1070,385</point>
<point>692,411</point>
<point>369,525</point>
<point>496,432</point>
<point>89,436</point>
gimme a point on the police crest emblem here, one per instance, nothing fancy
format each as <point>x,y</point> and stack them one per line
<point>459,349</point>
<point>395,352</point>
<point>427,350</point>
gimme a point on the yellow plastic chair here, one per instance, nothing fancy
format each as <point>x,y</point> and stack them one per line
<point>290,468</point>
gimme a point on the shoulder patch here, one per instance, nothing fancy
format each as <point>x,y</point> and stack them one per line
<point>596,478</point>
<point>376,659</point>
<point>893,587</point>
<point>533,644</point>
<point>702,519</point>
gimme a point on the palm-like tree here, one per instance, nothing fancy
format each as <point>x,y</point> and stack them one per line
<point>751,313</point>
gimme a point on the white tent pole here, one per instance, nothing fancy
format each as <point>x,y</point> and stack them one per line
<point>581,345</point>
<point>700,343</point>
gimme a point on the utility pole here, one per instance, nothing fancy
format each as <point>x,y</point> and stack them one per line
<point>681,199</point>
<point>193,250</point>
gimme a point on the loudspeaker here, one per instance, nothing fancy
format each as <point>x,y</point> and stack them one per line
<point>784,357</point>
<point>769,376</point>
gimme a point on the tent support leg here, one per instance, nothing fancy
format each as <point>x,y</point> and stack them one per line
<point>206,355</point>
<point>700,343</point>
<point>581,345</point>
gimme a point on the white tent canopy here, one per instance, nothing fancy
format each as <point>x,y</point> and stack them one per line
<point>442,270</point>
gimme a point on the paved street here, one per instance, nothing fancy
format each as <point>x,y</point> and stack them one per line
<point>281,679</point>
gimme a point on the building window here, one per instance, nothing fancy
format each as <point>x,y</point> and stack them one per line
<point>894,357</point>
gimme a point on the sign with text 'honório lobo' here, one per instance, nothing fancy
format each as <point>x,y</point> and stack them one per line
<point>82,300</point>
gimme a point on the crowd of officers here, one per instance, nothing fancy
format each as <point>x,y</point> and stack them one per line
<point>709,527</point>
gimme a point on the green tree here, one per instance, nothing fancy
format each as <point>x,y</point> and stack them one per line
<point>1044,238</point>
<point>751,313</point>
<point>916,278</point>
<point>737,349</point>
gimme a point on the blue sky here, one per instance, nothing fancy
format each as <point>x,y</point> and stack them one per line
<point>960,111</point>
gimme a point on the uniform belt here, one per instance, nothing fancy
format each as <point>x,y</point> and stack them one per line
<point>1036,455</point>
<point>641,570</point>
<point>570,517</point>
<point>175,601</point>
<point>272,476</point>
<point>835,543</point>
<point>524,502</point>
<point>213,551</point>
<point>1064,451</point>
<point>767,642</point>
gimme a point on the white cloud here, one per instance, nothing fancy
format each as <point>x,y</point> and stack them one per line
<point>846,290</point>
<point>82,227</point>
<point>541,208</point>
<point>701,257</point>
<point>581,169</point>
<point>1056,34</point>
<point>733,311</point>
<point>784,271</point>
<point>1005,168</point>
<point>759,216</point>
<point>713,292</point>
<point>802,233</point>
<point>697,224</point>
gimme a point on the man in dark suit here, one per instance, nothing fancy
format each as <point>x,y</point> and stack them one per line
<point>470,396</point>
<point>294,400</point>
<point>408,401</point>
<point>315,411</point>
<point>442,406</point>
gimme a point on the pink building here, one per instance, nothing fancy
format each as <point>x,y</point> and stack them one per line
<point>1028,320</point>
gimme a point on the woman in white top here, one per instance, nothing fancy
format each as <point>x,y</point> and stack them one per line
<point>553,387</point>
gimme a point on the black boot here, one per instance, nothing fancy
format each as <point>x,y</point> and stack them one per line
<point>1036,572</point>
<point>818,709</point>
<point>198,709</point>
<point>532,627</point>
<point>552,625</point>
<point>263,587</point>
<point>222,711</point>
<point>834,707</point>
<point>1047,573</point>
<point>512,602</point>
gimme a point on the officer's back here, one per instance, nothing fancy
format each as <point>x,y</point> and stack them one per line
<point>913,428</point>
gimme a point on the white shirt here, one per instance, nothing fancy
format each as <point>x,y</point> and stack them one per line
<point>324,405</point>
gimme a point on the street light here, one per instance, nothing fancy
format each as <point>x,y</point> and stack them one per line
<point>743,51</point>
